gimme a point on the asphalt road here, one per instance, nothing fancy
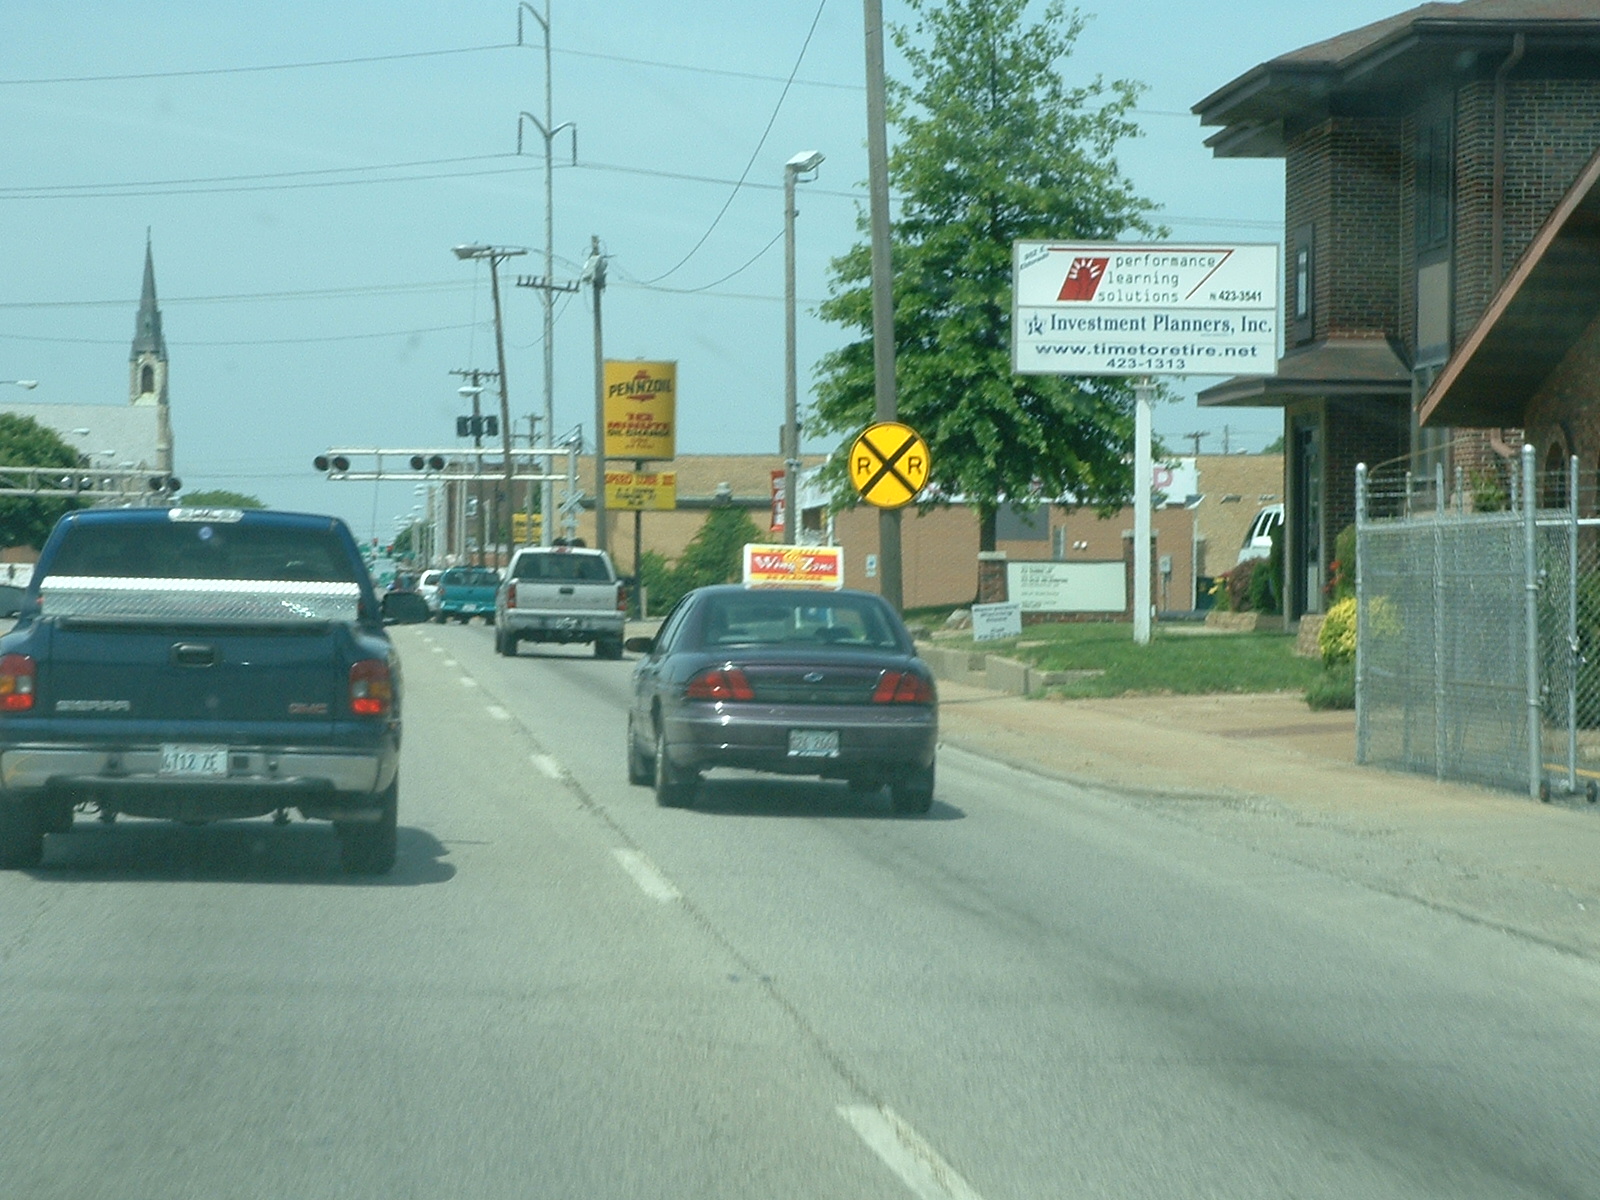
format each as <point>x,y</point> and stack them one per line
<point>564,991</point>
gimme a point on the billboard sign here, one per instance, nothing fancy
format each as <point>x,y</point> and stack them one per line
<point>793,566</point>
<point>640,409</point>
<point>642,490</point>
<point>1115,308</point>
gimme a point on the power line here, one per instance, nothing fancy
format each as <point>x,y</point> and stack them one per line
<point>253,177</point>
<point>295,66</point>
<point>377,289</point>
<point>293,341</point>
<point>762,141</point>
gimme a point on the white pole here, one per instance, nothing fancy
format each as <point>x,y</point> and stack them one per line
<point>1142,470</point>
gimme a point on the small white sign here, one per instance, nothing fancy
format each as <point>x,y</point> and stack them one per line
<point>991,622</point>
<point>1115,308</point>
<point>1068,587</point>
<point>870,562</point>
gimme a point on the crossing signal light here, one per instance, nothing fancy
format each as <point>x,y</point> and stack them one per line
<point>165,483</point>
<point>337,463</point>
<point>433,462</point>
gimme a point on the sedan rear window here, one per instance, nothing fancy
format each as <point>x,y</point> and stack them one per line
<point>766,619</point>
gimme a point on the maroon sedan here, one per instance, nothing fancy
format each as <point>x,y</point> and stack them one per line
<point>786,680</point>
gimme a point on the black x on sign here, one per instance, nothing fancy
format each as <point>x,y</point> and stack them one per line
<point>889,464</point>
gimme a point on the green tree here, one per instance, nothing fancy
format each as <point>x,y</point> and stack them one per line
<point>716,553</point>
<point>220,498</point>
<point>993,146</point>
<point>27,520</point>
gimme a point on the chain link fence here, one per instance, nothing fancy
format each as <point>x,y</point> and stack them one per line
<point>1478,628</point>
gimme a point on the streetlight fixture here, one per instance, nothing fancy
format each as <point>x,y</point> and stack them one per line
<point>30,384</point>
<point>804,163</point>
<point>494,254</point>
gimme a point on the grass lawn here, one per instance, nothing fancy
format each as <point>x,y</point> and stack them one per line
<point>1173,663</point>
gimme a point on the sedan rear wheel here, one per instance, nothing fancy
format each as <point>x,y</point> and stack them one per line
<point>641,771</point>
<point>675,787</point>
<point>913,794</point>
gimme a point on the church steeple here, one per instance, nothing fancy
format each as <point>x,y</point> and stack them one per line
<point>147,374</point>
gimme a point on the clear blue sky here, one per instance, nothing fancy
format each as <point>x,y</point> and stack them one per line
<point>303,218</point>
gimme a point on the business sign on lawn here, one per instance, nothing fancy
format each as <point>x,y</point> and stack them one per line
<point>1068,587</point>
<point>793,566</point>
<point>1114,308</point>
<point>641,409</point>
<point>991,622</point>
<point>642,490</point>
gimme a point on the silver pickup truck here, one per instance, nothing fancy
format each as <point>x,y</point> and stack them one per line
<point>560,594</point>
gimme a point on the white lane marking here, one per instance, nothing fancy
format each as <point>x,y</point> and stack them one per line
<point>468,681</point>
<point>905,1153</point>
<point>450,662</point>
<point>498,713</point>
<point>651,881</point>
<point>549,766</point>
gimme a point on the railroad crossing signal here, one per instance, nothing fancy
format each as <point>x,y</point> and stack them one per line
<point>889,464</point>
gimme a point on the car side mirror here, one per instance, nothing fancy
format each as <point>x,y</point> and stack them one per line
<point>404,608</point>
<point>639,645</point>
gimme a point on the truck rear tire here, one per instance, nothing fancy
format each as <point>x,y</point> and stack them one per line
<point>608,647</point>
<point>21,834</point>
<point>369,847</point>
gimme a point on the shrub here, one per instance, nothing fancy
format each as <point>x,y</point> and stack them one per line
<point>1337,638</point>
<point>1264,593</point>
<point>1335,688</point>
<point>1342,570</point>
<point>1237,587</point>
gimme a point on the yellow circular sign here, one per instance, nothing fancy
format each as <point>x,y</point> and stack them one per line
<point>889,464</point>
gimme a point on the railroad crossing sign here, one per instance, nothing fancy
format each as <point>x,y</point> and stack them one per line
<point>889,464</point>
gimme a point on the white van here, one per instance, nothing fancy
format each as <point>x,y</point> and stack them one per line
<point>1258,538</point>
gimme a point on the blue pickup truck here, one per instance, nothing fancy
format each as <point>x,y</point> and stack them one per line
<point>200,664</point>
<point>466,592</point>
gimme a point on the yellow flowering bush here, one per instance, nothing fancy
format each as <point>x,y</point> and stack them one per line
<point>1337,638</point>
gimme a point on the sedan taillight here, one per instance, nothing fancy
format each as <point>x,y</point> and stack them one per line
<point>17,675</point>
<point>902,687</point>
<point>371,691</point>
<point>719,683</point>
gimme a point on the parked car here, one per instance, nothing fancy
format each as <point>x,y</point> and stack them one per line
<point>202,664</point>
<point>466,592</point>
<point>793,681</point>
<point>1258,538</point>
<point>428,588</point>
<point>561,594</point>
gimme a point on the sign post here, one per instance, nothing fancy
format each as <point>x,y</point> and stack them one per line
<point>1142,310</point>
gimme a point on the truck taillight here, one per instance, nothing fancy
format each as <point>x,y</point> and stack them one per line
<point>511,594</point>
<point>719,683</point>
<point>622,598</point>
<point>17,675</point>
<point>902,687</point>
<point>371,690</point>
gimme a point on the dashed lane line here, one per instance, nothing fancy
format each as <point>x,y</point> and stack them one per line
<point>498,713</point>
<point>650,880</point>
<point>549,766</point>
<point>904,1152</point>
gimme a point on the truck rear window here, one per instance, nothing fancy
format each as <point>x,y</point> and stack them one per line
<point>204,551</point>
<point>582,568</point>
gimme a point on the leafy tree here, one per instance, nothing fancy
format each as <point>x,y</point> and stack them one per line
<point>993,146</point>
<point>713,555</point>
<point>27,520</point>
<point>220,498</point>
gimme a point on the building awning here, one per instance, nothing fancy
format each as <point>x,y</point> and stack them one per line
<point>1339,366</point>
<point>1533,322</point>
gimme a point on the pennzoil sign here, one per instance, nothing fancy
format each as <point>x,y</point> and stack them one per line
<point>640,409</point>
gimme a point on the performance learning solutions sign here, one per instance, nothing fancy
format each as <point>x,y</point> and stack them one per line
<point>1115,308</point>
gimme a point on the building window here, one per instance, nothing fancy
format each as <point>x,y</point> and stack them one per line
<point>1434,178</point>
<point>1301,264</point>
<point>147,379</point>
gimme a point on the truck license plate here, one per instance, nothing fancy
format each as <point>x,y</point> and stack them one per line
<point>194,760</point>
<point>813,743</point>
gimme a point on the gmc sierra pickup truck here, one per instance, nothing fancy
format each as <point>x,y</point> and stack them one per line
<point>199,664</point>
<point>561,594</point>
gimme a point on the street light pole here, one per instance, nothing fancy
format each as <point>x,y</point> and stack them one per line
<point>804,162</point>
<point>595,269</point>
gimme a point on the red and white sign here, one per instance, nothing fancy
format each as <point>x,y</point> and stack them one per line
<point>777,502</point>
<point>794,566</point>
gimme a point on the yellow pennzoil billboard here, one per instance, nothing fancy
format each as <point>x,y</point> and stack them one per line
<point>642,491</point>
<point>641,409</point>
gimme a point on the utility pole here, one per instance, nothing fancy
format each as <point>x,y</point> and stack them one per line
<point>1195,438</point>
<point>475,390</point>
<point>546,284</point>
<point>885,406</point>
<point>595,271</point>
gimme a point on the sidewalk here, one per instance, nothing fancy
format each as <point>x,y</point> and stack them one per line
<point>1267,771</point>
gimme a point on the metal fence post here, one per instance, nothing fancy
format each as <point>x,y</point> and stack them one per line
<point>1572,624</point>
<point>1530,584</point>
<point>1361,612</point>
<point>1440,700</point>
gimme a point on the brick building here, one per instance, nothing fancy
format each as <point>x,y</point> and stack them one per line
<point>1423,155</point>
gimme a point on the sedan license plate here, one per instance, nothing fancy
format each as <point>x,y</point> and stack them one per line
<point>813,743</point>
<point>194,760</point>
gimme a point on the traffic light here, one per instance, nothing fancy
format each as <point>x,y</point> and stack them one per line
<point>485,426</point>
